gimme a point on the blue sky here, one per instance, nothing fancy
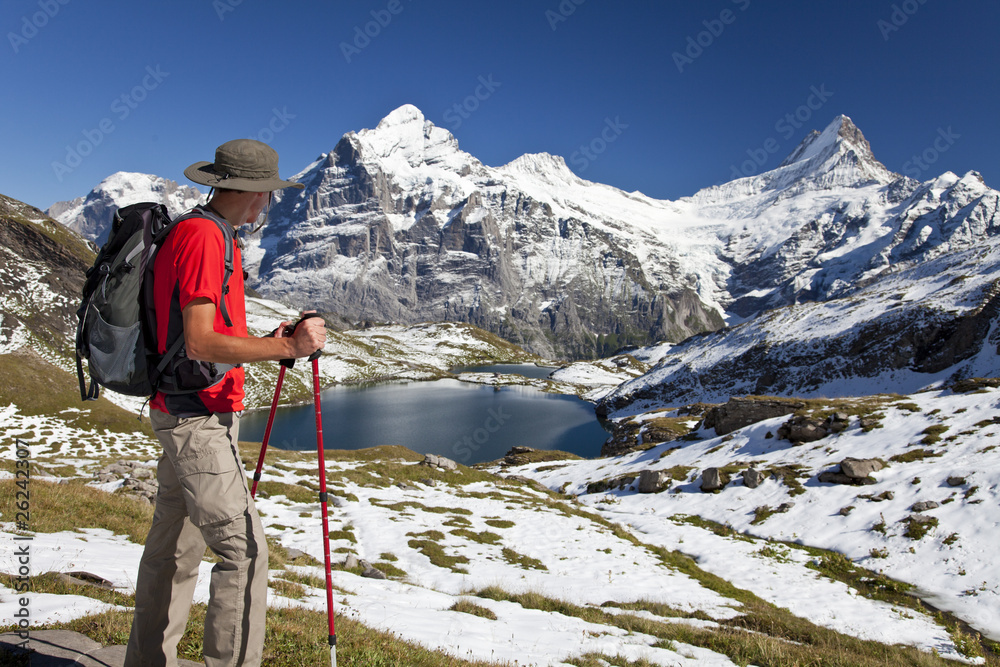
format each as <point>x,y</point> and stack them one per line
<point>662,97</point>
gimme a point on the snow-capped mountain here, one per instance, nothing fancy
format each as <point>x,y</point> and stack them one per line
<point>398,224</point>
<point>90,215</point>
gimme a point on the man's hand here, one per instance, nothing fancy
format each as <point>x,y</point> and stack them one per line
<point>309,334</point>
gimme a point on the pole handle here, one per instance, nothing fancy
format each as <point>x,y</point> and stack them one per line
<point>289,331</point>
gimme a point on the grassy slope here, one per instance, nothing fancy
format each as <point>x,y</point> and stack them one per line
<point>764,635</point>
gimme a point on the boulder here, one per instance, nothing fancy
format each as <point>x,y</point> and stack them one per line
<point>837,477</point>
<point>142,472</point>
<point>351,562</point>
<point>141,489</point>
<point>956,481</point>
<point>837,422</point>
<point>831,477</point>
<point>860,468</point>
<point>801,429</point>
<point>653,481</point>
<point>740,412</point>
<point>924,505</point>
<point>713,479</point>
<point>372,572</point>
<point>439,462</point>
<point>752,478</point>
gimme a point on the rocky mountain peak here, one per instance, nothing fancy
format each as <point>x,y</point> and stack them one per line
<point>406,136</point>
<point>840,147</point>
<point>90,215</point>
<point>545,165</point>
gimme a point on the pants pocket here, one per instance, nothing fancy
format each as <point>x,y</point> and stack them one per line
<point>207,467</point>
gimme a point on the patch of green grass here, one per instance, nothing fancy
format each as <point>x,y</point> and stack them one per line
<point>310,580</point>
<point>500,523</point>
<point>50,506</point>
<point>932,434</point>
<point>288,589</point>
<point>917,528</point>
<point>346,533</point>
<point>790,475</point>
<point>52,582</point>
<point>620,483</point>
<point>484,537</point>
<point>762,514</point>
<point>293,637</point>
<point>468,607</point>
<point>762,634</point>
<point>457,522</point>
<point>538,456</point>
<point>401,506</point>
<point>774,552</point>
<point>296,493</point>
<point>520,560</point>
<point>37,387</point>
<point>390,570</point>
<point>915,455</point>
<point>430,548</point>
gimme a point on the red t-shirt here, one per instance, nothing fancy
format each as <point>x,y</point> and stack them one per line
<point>192,260</point>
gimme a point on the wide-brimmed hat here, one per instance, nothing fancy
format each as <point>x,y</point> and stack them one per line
<point>241,164</point>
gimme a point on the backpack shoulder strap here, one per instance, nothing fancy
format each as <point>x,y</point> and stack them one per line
<point>228,238</point>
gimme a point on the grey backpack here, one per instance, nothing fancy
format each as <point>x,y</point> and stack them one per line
<point>116,332</point>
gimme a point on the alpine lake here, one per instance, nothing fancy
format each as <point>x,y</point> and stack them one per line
<point>466,422</point>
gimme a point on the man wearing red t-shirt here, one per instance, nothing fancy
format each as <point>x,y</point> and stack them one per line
<point>203,497</point>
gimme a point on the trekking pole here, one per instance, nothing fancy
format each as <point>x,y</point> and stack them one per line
<point>285,363</point>
<point>323,510</point>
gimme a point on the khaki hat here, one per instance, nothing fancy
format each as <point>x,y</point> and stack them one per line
<point>241,164</point>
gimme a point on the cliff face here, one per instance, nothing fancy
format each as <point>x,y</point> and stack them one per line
<point>42,267</point>
<point>398,224</point>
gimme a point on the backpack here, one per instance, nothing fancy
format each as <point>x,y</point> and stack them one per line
<point>116,331</point>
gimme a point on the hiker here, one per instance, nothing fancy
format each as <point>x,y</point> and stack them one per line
<point>203,497</point>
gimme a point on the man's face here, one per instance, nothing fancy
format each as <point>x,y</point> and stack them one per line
<point>260,202</point>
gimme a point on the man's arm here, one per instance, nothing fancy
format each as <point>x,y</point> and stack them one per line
<point>203,343</point>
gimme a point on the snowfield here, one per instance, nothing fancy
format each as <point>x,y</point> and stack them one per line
<point>495,530</point>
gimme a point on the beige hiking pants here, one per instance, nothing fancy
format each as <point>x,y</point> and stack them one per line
<point>203,500</point>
